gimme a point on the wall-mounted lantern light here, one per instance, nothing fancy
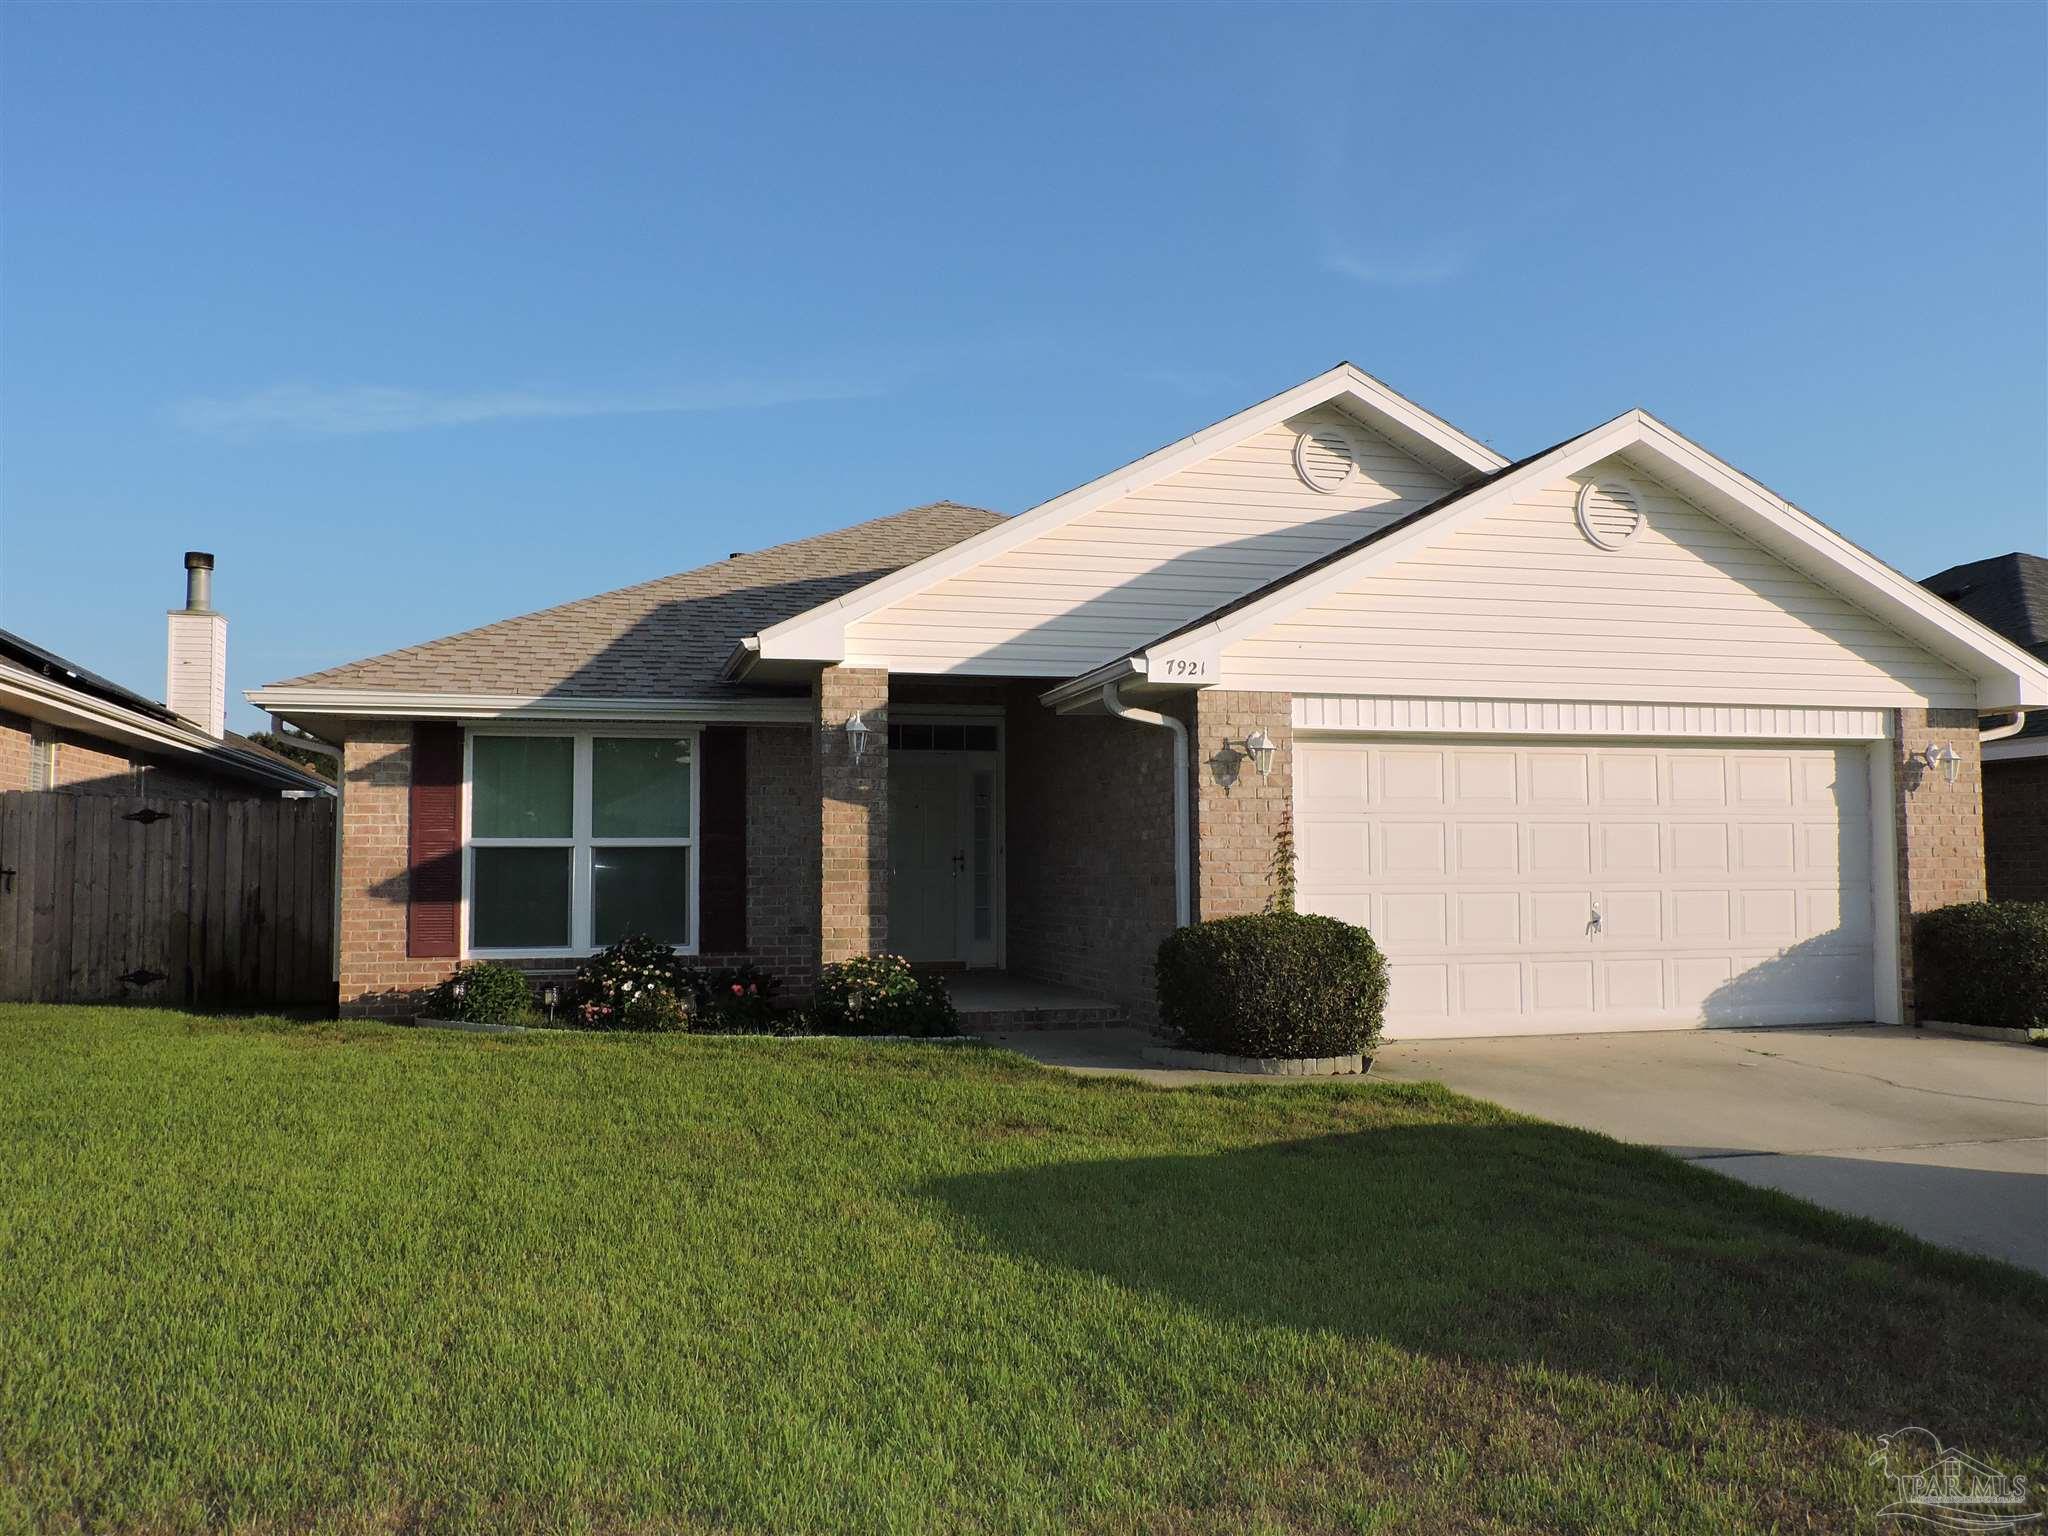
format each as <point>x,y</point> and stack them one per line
<point>1259,748</point>
<point>1942,755</point>
<point>857,733</point>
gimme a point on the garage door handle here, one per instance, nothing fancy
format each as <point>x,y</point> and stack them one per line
<point>1593,922</point>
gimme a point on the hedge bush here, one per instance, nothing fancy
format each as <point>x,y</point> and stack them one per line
<point>881,995</point>
<point>1275,984</point>
<point>491,994</point>
<point>1983,962</point>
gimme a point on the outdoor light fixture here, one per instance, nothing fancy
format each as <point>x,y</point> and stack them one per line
<point>1259,747</point>
<point>857,732</point>
<point>549,996</point>
<point>457,988</point>
<point>1943,756</point>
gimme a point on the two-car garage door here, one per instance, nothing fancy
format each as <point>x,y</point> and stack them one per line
<point>1520,888</point>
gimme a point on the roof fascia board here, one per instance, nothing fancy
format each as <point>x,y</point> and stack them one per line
<point>385,703</point>
<point>40,698</point>
<point>1087,688</point>
<point>2007,675</point>
<point>2015,678</point>
<point>819,634</point>
<point>2018,749</point>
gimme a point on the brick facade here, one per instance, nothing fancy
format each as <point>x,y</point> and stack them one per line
<point>2016,828</point>
<point>1939,825</point>
<point>378,977</point>
<point>852,819</point>
<point>782,856</point>
<point>1089,828</point>
<point>14,751</point>
<point>1240,815</point>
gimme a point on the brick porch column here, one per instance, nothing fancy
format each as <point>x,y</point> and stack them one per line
<point>1940,826</point>
<point>853,813</point>
<point>1238,815</point>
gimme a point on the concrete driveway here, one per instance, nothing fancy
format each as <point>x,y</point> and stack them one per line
<point>1945,1137</point>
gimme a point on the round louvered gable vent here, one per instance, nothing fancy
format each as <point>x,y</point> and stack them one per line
<point>1324,457</point>
<point>1609,513</point>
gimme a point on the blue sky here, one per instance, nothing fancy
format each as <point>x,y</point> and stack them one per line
<point>422,317</point>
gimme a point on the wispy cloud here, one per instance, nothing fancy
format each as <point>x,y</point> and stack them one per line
<point>1421,268</point>
<point>307,410</point>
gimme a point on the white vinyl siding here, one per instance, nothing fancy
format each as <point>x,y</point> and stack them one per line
<point>1116,578</point>
<point>1521,605</point>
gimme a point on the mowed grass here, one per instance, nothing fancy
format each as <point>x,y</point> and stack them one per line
<point>275,1276</point>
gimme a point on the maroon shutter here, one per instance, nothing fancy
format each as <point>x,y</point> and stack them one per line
<point>722,842</point>
<point>434,851</point>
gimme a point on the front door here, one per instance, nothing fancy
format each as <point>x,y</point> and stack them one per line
<point>943,853</point>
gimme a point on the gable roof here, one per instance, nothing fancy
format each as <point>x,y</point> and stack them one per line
<point>819,634</point>
<point>45,686</point>
<point>657,640</point>
<point>2008,677</point>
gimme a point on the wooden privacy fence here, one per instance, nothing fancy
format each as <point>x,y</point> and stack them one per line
<point>108,898</point>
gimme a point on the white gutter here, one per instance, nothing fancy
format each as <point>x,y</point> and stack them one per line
<point>412,704</point>
<point>1182,882</point>
<point>1083,689</point>
<point>2001,732</point>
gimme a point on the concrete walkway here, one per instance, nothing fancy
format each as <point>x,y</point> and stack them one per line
<point>1945,1137</point>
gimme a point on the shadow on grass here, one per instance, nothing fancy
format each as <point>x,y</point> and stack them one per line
<point>1522,1245</point>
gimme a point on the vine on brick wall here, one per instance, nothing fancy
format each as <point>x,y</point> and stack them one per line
<point>1282,899</point>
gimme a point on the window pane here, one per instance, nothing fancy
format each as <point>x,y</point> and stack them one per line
<point>639,787</point>
<point>640,890</point>
<point>520,898</point>
<point>521,786</point>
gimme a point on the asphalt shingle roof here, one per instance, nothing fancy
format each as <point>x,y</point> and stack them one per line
<point>666,638</point>
<point>2008,593</point>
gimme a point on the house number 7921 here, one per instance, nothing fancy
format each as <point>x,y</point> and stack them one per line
<point>1179,667</point>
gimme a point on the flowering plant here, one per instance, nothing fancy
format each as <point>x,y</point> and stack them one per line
<point>606,983</point>
<point>881,995</point>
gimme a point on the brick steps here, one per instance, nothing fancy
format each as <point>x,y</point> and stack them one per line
<point>997,1021</point>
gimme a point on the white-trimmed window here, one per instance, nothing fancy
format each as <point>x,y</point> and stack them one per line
<point>575,839</point>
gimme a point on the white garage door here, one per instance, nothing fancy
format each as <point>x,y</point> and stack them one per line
<point>1522,889</point>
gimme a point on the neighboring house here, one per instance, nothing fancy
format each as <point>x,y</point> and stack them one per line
<point>1608,738</point>
<point>64,728</point>
<point>2009,593</point>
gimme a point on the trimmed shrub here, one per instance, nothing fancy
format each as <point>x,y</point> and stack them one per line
<point>491,994</point>
<point>1983,962</point>
<point>1274,984</point>
<point>881,995</point>
<point>607,982</point>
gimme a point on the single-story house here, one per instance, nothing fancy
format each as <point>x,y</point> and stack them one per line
<point>2009,593</point>
<point>1610,737</point>
<point>63,727</point>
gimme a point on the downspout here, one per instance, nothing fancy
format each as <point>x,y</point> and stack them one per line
<point>1182,881</point>
<point>2001,732</point>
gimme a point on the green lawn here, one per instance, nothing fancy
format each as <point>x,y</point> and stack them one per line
<point>285,1276</point>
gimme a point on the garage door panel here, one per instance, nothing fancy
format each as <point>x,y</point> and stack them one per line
<point>1631,848</point>
<point>1489,919</point>
<point>1733,884</point>
<point>1412,848</point>
<point>1487,848</point>
<point>1419,991</point>
<point>1560,848</point>
<point>1411,778</point>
